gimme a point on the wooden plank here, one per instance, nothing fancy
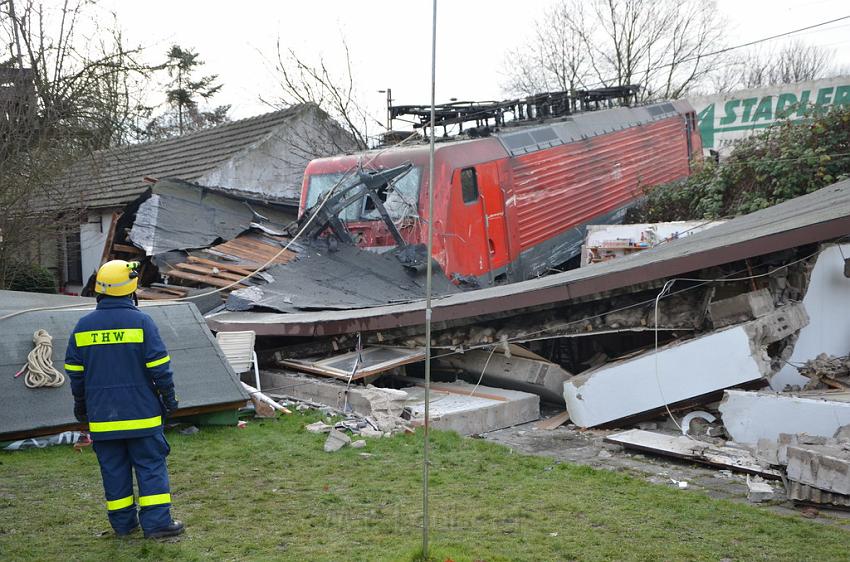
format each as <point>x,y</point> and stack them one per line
<point>220,265</point>
<point>124,248</point>
<point>205,270</point>
<point>448,390</point>
<point>179,291</point>
<point>554,422</point>
<point>683,447</point>
<point>145,293</point>
<point>110,238</point>
<point>204,279</point>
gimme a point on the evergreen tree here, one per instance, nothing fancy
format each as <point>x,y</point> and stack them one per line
<point>183,96</point>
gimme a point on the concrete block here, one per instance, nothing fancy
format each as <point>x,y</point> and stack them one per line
<point>542,378</point>
<point>365,401</point>
<point>741,308</point>
<point>758,490</point>
<point>336,440</point>
<point>826,467</point>
<point>842,433</point>
<point>750,416</point>
<point>488,409</point>
<point>767,451</point>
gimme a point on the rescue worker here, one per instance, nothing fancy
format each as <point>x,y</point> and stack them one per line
<point>122,384</point>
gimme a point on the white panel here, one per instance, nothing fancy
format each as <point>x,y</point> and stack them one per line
<point>750,416</point>
<point>827,301</point>
<point>685,370</point>
<point>92,238</point>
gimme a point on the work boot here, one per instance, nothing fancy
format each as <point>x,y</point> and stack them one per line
<point>127,533</point>
<point>172,530</point>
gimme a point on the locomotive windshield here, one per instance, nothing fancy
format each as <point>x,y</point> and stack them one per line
<point>401,198</point>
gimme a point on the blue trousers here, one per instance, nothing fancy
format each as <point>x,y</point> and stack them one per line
<point>118,458</point>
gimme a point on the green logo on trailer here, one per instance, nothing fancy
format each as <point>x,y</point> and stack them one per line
<point>752,113</point>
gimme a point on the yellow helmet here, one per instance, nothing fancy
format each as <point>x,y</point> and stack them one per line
<point>117,278</point>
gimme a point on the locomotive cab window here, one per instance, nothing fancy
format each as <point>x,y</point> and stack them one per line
<point>469,185</point>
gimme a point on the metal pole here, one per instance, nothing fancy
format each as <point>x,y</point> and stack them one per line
<point>389,109</point>
<point>428,274</point>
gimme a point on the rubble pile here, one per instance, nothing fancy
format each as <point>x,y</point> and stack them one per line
<point>826,371</point>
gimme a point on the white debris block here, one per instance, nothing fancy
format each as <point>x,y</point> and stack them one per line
<point>826,467</point>
<point>683,370</point>
<point>366,401</point>
<point>454,407</point>
<point>758,490</point>
<point>543,378</point>
<point>750,416</point>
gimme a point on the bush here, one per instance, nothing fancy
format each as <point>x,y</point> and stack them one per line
<point>29,277</point>
<point>787,160</point>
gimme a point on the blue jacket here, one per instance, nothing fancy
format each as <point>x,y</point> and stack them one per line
<point>117,365</point>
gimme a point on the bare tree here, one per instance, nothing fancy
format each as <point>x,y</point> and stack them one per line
<point>555,59</point>
<point>793,62</point>
<point>665,46</point>
<point>69,95</point>
<point>305,82</point>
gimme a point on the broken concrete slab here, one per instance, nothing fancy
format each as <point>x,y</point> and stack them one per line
<point>542,378</point>
<point>365,401</point>
<point>758,491</point>
<point>741,308</point>
<point>679,372</point>
<point>826,467</point>
<point>489,409</point>
<point>800,492</point>
<point>336,440</point>
<point>683,447</point>
<point>318,427</point>
<point>750,416</point>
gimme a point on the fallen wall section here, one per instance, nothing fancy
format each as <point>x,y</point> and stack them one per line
<point>750,416</point>
<point>680,371</point>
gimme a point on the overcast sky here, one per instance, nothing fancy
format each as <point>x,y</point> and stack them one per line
<point>390,39</point>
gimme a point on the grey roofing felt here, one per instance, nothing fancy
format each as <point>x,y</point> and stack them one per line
<point>114,177</point>
<point>178,215</point>
<point>817,216</point>
<point>202,376</point>
<point>345,278</point>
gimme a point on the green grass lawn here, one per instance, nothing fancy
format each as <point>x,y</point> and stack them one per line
<point>269,492</point>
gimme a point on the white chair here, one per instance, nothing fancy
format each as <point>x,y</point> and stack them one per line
<point>238,348</point>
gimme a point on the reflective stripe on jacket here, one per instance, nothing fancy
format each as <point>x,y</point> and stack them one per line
<point>116,362</point>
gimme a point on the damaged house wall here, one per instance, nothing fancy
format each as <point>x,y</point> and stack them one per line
<point>827,301</point>
<point>262,156</point>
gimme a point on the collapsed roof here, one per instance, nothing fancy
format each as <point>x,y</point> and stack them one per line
<point>196,237</point>
<point>203,379</point>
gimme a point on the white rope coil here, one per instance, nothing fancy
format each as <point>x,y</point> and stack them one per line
<point>39,368</point>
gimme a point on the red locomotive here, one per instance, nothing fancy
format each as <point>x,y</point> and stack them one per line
<point>510,204</point>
